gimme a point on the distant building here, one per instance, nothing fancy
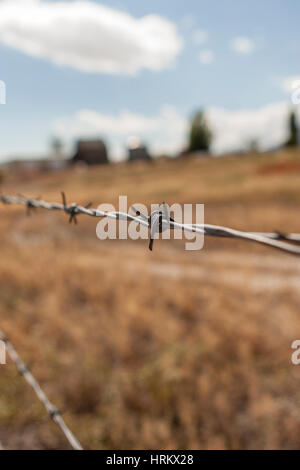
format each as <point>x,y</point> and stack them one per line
<point>137,150</point>
<point>91,152</point>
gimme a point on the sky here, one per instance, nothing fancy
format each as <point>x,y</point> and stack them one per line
<point>123,69</point>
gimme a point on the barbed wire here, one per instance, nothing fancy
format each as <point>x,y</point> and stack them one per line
<point>52,411</point>
<point>159,221</point>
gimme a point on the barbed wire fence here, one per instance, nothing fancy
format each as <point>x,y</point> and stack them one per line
<point>52,411</point>
<point>158,221</point>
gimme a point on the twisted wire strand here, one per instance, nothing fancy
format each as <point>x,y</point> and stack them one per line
<point>275,240</point>
<point>52,411</point>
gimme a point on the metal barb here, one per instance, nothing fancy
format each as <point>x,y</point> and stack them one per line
<point>71,210</point>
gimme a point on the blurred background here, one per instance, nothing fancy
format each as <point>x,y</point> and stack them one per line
<point>183,102</point>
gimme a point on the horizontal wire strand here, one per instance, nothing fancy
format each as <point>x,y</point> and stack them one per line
<point>274,240</point>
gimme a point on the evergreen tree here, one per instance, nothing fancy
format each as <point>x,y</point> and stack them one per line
<point>293,131</point>
<point>200,135</point>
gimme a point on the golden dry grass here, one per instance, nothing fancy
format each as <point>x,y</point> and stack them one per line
<point>170,349</point>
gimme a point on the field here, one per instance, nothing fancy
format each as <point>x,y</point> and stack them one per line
<point>169,349</point>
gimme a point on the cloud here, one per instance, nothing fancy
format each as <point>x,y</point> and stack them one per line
<point>167,131</point>
<point>289,84</point>
<point>206,57</point>
<point>89,36</point>
<point>243,45</point>
<point>199,36</point>
<point>234,130</point>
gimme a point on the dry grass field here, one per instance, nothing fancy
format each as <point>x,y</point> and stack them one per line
<point>169,349</point>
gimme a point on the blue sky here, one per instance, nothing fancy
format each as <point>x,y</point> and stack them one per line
<point>233,55</point>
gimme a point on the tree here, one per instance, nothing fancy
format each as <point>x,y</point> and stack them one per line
<point>200,135</point>
<point>293,131</point>
<point>253,145</point>
<point>57,146</point>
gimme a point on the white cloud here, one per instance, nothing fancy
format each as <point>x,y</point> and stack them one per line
<point>289,84</point>
<point>206,57</point>
<point>200,36</point>
<point>167,131</point>
<point>234,130</point>
<point>243,45</point>
<point>88,36</point>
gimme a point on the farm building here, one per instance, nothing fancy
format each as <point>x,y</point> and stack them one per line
<point>91,152</point>
<point>137,151</point>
